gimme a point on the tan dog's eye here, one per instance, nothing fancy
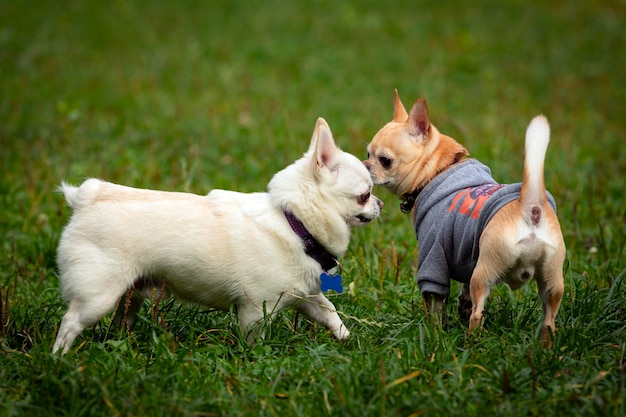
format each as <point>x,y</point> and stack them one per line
<point>384,162</point>
<point>364,197</point>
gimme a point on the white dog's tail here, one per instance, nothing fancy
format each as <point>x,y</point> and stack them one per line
<point>533,195</point>
<point>77,197</point>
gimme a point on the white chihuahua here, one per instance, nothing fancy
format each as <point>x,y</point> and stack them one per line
<point>261,252</point>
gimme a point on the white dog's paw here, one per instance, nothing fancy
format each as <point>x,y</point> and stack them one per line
<point>342,332</point>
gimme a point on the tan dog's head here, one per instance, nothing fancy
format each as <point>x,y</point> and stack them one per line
<point>409,151</point>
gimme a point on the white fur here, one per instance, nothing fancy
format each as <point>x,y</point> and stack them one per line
<point>537,139</point>
<point>223,249</point>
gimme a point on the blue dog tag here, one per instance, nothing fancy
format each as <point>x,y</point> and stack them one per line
<point>331,282</point>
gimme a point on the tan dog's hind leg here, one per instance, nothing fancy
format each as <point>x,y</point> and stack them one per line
<point>551,284</point>
<point>551,288</point>
<point>504,258</point>
<point>495,258</point>
<point>479,291</point>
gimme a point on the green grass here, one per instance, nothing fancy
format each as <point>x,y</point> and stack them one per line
<point>192,95</point>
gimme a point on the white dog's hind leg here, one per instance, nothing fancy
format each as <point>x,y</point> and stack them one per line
<point>70,328</point>
<point>81,314</point>
<point>127,309</point>
<point>319,309</point>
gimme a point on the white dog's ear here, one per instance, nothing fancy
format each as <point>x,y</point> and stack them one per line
<point>419,124</point>
<point>323,145</point>
<point>399,112</point>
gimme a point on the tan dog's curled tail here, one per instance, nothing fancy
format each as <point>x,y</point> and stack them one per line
<point>533,194</point>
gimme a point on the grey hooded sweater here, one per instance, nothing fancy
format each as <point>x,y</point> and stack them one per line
<point>449,216</point>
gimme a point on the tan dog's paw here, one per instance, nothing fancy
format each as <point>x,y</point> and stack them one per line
<point>547,337</point>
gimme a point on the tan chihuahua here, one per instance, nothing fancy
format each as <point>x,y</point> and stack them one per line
<point>469,227</point>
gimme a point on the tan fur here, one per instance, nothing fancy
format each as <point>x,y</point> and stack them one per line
<point>522,240</point>
<point>418,151</point>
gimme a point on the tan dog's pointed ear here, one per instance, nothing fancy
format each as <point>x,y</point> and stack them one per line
<point>399,112</point>
<point>419,124</point>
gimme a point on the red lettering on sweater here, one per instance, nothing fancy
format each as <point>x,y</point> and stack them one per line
<point>473,199</point>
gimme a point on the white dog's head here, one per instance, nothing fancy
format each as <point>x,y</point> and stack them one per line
<point>327,189</point>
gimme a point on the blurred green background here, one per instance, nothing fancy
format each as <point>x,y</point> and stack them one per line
<point>193,95</point>
<point>197,95</point>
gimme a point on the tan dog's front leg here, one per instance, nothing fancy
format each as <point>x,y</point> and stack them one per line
<point>435,304</point>
<point>464,302</point>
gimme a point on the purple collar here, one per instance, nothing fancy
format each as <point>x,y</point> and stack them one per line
<point>311,246</point>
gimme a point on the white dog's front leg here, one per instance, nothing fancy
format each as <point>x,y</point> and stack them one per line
<point>250,320</point>
<point>319,309</point>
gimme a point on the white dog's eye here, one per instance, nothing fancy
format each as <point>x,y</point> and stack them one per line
<point>363,198</point>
